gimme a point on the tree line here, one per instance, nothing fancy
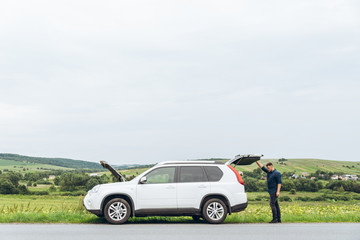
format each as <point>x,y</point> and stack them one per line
<point>71,181</point>
<point>80,180</point>
<point>254,184</point>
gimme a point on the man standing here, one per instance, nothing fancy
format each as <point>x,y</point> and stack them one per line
<point>273,185</point>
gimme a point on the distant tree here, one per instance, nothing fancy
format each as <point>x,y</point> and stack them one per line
<point>350,186</point>
<point>251,185</point>
<point>57,181</point>
<point>71,181</point>
<point>287,185</point>
<point>13,177</point>
<point>92,183</point>
<point>52,188</point>
<point>7,187</point>
<point>23,189</point>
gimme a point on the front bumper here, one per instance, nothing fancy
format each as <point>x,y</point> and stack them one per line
<point>92,202</point>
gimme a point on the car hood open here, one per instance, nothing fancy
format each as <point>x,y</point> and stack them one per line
<point>114,172</point>
<point>245,159</point>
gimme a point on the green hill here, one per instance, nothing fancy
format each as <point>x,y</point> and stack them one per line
<point>309,165</point>
<point>16,166</point>
<point>290,165</point>
<point>19,162</point>
<point>9,160</point>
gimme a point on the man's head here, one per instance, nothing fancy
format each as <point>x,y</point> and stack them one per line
<point>270,167</point>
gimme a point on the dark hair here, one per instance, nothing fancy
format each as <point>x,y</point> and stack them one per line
<point>269,164</point>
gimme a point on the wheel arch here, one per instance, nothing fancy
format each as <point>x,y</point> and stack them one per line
<point>215,195</point>
<point>119,195</point>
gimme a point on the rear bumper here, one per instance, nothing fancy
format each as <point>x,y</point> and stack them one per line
<point>96,212</point>
<point>239,207</point>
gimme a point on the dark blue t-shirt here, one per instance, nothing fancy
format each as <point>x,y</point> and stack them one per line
<point>273,179</point>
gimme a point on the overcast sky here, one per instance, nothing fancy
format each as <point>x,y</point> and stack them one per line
<point>149,81</point>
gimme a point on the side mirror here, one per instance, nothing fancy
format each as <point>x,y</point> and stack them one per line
<point>143,180</point>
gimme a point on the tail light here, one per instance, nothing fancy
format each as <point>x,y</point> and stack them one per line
<point>239,178</point>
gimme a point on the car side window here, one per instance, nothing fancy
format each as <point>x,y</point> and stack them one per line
<point>161,175</point>
<point>192,174</point>
<point>213,173</point>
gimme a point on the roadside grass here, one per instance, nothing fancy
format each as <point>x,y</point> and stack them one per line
<point>285,195</point>
<point>68,209</point>
<point>259,212</point>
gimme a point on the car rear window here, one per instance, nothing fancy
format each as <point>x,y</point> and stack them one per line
<point>192,174</point>
<point>213,173</point>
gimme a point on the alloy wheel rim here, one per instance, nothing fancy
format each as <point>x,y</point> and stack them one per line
<point>117,211</point>
<point>215,211</point>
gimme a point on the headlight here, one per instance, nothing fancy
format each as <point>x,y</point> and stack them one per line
<point>95,189</point>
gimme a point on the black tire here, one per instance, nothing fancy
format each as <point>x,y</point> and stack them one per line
<point>117,211</point>
<point>214,211</point>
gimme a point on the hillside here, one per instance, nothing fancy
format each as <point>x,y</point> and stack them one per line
<point>7,159</point>
<point>17,166</point>
<point>19,162</point>
<point>291,165</point>
<point>310,166</point>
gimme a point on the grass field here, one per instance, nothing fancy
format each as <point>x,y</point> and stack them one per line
<point>67,209</point>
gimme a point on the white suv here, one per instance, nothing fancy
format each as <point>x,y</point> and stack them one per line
<point>207,189</point>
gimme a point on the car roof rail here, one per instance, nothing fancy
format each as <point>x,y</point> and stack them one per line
<point>190,162</point>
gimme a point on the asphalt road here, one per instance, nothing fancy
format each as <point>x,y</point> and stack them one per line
<point>290,231</point>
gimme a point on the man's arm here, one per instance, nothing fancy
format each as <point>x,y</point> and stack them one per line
<point>259,164</point>
<point>262,167</point>
<point>278,178</point>
<point>278,190</point>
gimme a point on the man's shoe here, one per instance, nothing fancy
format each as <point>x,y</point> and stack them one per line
<point>274,221</point>
<point>279,220</point>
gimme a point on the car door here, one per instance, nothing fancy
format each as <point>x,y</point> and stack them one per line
<point>159,189</point>
<point>192,187</point>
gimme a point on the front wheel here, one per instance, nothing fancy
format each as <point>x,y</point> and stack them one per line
<point>214,211</point>
<point>117,211</point>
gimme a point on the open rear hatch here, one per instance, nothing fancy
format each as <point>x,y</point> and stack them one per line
<point>245,159</point>
<point>114,172</point>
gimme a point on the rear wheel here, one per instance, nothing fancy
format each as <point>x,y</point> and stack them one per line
<point>214,211</point>
<point>117,211</point>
